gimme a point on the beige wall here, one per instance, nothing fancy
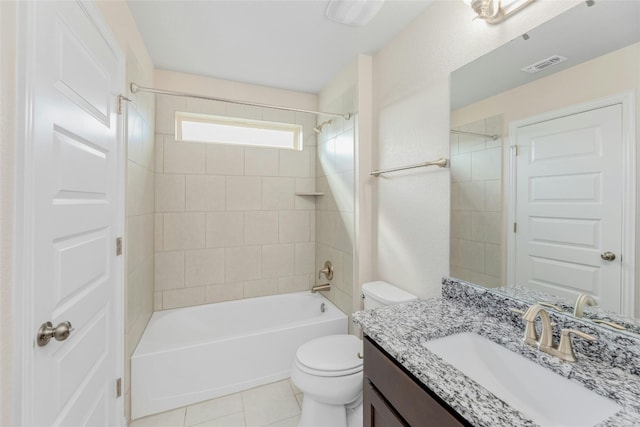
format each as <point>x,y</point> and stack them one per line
<point>228,223</point>
<point>411,93</point>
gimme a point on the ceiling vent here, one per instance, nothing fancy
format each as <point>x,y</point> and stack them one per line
<point>544,64</point>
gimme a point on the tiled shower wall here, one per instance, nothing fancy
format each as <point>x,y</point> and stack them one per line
<point>335,226</point>
<point>476,204</point>
<point>228,224</point>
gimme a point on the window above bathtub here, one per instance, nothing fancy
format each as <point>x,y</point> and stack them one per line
<point>192,127</point>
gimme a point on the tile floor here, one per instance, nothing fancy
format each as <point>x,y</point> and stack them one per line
<point>272,405</point>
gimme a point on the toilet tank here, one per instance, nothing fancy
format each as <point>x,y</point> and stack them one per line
<point>380,294</point>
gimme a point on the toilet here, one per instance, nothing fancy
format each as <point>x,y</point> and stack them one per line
<point>328,370</point>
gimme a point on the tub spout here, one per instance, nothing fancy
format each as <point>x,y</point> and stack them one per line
<point>325,287</point>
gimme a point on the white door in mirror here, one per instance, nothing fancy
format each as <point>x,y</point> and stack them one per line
<point>569,205</point>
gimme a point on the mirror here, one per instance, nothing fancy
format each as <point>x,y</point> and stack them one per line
<point>585,55</point>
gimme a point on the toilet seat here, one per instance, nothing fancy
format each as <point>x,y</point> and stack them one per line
<point>330,356</point>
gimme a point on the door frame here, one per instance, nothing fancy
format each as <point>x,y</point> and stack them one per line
<point>23,287</point>
<point>629,165</point>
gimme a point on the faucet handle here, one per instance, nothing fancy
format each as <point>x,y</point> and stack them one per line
<point>565,348</point>
<point>516,311</point>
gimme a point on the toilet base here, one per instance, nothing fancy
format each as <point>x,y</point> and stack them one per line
<point>354,416</point>
<point>317,414</point>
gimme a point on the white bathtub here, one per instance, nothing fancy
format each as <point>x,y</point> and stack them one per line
<point>192,354</point>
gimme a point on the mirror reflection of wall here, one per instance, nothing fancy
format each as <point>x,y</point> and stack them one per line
<point>476,202</point>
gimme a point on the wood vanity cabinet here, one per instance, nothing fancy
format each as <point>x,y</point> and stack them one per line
<point>393,397</point>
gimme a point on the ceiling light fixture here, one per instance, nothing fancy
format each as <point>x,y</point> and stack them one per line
<point>355,13</point>
<point>494,11</point>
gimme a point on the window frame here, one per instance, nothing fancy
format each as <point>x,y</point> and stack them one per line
<point>295,129</point>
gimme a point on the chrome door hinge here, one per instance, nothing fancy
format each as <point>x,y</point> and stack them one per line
<point>515,150</point>
<point>515,227</point>
<point>119,387</point>
<point>119,246</point>
<point>121,100</point>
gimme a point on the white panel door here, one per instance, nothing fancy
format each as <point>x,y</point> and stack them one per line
<point>569,205</point>
<point>72,215</point>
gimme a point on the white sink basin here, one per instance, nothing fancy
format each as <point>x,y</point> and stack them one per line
<point>540,394</point>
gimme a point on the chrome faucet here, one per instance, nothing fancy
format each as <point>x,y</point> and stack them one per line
<point>583,299</point>
<point>544,342</point>
<point>325,287</point>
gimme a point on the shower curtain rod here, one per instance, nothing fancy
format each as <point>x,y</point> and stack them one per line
<point>135,88</point>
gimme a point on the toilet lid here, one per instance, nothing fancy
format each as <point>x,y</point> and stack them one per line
<point>332,355</point>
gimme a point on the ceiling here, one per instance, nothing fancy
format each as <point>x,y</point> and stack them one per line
<point>287,44</point>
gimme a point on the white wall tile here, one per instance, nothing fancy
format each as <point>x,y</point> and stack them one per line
<point>242,263</point>
<point>278,116</point>
<point>224,229</point>
<point>344,152</point>
<point>487,164</point>
<point>261,161</point>
<point>186,297</point>
<point>460,225</point>
<point>184,231</point>
<point>344,230</point>
<point>261,287</point>
<point>296,163</point>
<point>460,167</point>
<point>493,260</point>
<point>260,227</point>
<point>204,267</point>
<point>169,270</point>
<point>493,195</point>
<point>225,160</point>
<point>324,227</point>
<point>471,255</point>
<point>294,226</point>
<point>224,292</point>
<point>244,193</point>
<point>184,157</point>
<point>305,258</point>
<point>158,226</point>
<point>170,193</point>
<point>278,193</point>
<point>159,153</point>
<point>486,227</point>
<point>471,196</point>
<point>277,260</point>
<point>296,283</point>
<point>205,193</point>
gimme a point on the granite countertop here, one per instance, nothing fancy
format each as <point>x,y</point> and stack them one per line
<point>401,330</point>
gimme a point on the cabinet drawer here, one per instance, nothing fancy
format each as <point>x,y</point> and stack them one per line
<point>411,400</point>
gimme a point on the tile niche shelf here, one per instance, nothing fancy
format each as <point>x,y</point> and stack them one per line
<point>308,193</point>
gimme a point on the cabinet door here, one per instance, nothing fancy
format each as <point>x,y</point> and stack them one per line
<point>377,413</point>
<point>415,404</point>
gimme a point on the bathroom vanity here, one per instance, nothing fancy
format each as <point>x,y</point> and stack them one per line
<point>393,397</point>
<point>409,382</point>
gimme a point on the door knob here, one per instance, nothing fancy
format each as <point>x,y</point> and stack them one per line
<point>47,331</point>
<point>608,256</point>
